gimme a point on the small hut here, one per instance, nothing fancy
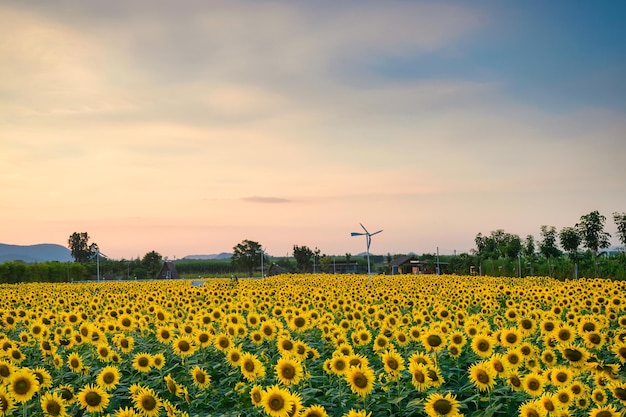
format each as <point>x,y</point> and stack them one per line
<point>168,271</point>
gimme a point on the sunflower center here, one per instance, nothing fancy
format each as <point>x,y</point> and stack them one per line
<point>513,359</point>
<point>287,345</point>
<point>16,354</point>
<point>299,322</point>
<point>360,380</point>
<point>532,413</point>
<point>573,355</point>
<point>419,377</point>
<point>148,403</point>
<point>604,413</point>
<point>276,403</point>
<point>124,343</point>
<point>595,338</point>
<point>5,371</point>
<point>183,346</point>
<point>620,393</point>
<point>288,372</point>
<point>143,361</point>
<point>483,346</point>
<point>498,366</point>
<point>434,340</point>
<point>248,366</point>
<point>93,399</point>
<point>482,377</point>
<point>21,386</point>
<point>561,377</point>
<point>53,408</point>
<point>533,384</point>
<point>108,378</point>
<point>340,364</point>
<point>442,406</point>
<point>234,357</point>
<point>200,378</point>
<point>392,363</point>
<point>511,338</point>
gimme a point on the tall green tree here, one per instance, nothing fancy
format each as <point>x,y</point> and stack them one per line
<point>247,256</point>
<point>548,245</point>
<point>152,262</point>
<point>570,242</point>
<point>82,250</point>
<point>620,222</point>
<point>529,252</point>
<point>591,227</point>
<point>304,257</point>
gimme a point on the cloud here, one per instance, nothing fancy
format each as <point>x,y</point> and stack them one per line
<point>266,200</point>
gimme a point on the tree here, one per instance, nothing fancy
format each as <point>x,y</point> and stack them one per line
<point>591,227</point>
<point>570,241</point>
<point>247,256</point>
<point>303,256</point>
<point>620,222</point>
<point>152,262</point>
<point>528,250</point>
<point>82,251</point>
<point>547,245</point>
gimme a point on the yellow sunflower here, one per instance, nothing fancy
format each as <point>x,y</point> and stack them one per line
<point>164,334</point>
<point>66,392</point>
<point>276,401</point>
<point>75,362</point>
<point>200,377</point>
<point>619,392</point>
<point>533,384</point>
<point>393,363</point>
<point>419,373</point>
<point>532,409</point>
<point>7,403</point>
<point>172,386</point>
<point>437,405</point>
<point>256,396</point>
<point>142,362</point>
<point>93,399</point>
<point>339,364</point>
<point>575,355</point>
<point>108,378</point>
<point>183,346</point>
<point>288,371</point>
<point>222,342</point>
<point>314,411</point>
<point>125,412</point>
<point>23,384</point>
<point>251,367</point>
<point>605,411</point>
<point>482,375</point>
<point>361,380</point>
<point>433,340</point>
<point>482,345</point>
<point>53,405</point>
<point>43,377</point>
<point>147,402</point>
<point>561,376</point>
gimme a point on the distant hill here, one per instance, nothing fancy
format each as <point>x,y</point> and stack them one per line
<point>44,252</point>
<point>218,257</point>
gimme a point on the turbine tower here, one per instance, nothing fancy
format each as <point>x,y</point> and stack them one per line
<point>368,240</point>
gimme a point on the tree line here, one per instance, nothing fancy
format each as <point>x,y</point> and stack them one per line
<point>587,234</point>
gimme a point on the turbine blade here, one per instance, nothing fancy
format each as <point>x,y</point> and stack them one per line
<point>364,228</point>
<point>356,234</point>
<point>375,233</point>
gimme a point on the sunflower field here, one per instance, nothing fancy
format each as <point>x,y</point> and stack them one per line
<point>315,345</point>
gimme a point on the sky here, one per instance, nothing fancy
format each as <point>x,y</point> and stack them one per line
<point>187,127</point>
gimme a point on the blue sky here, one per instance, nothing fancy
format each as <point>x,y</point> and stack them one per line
<point>188,127</point>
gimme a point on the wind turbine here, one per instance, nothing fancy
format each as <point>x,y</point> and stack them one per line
<point>368,239</point>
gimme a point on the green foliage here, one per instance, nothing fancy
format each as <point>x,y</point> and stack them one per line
<point>247,256</point>
<point>304,258</point>
<point>82,251</point>
<point>14,272</point>
<point>620,222</point>
<point>152,262</point>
